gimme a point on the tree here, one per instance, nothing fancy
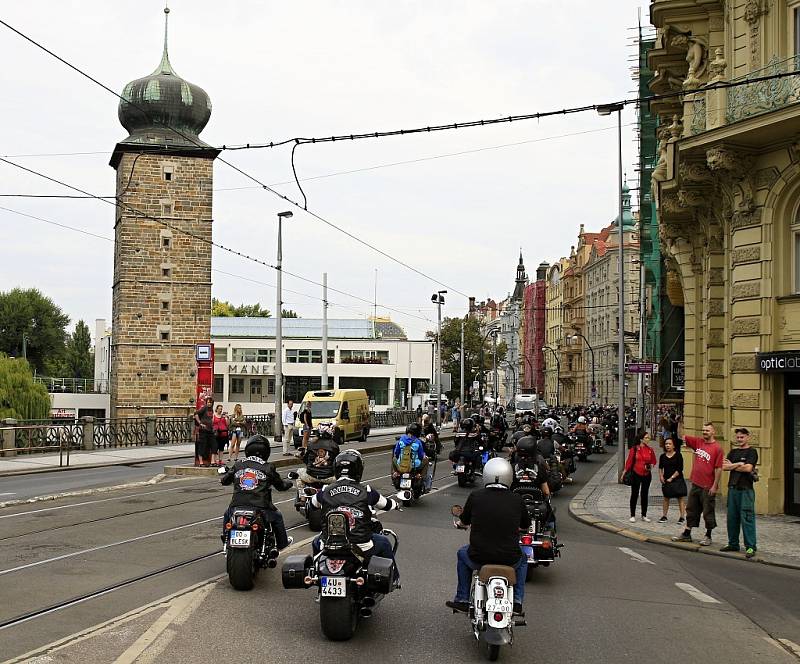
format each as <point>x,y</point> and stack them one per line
<point>225,308</point>
<point>451,350</point>
<point>21,397</point>
<point>288,313</point>
<point>29,314</point>
<point>79,358</point>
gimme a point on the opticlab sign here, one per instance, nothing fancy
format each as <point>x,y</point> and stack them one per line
<point>778,362</point>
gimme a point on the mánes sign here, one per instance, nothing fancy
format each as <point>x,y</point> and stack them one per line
<point>251,369</point>
<point>785,362</point>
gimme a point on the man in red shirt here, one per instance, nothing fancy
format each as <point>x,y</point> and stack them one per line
<point>705,478</point>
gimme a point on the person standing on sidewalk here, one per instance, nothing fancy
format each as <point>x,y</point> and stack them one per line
<point>705,478</point>
<point>456,415</point>
<point>287,418</point>
<point>673,484</point>
<point>740,463</point>
<point>204,419</point>
<point>640,461</point>
<point>307,421</point>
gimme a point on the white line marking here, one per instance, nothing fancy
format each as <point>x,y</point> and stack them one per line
<point>697,594</point>
<point>8,494</point>
<point>636,556</point>
<point>791,645</point>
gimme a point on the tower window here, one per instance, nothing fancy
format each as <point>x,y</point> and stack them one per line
<point>164,305</point>
<point>164,397</point>
<point>164,366</point>
<point>166,242</point>
<point>164,335</point>
<point>166,272</point>
<point>169,173</point>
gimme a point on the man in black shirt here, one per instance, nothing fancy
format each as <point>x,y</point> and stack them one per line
<point>496,516</point>
<point>741,463</point>
<point>204,420</point>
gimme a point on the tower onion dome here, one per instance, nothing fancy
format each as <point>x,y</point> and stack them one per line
<point>153,106</point>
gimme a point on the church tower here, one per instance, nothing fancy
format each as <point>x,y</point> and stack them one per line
<point>161,294</point>
<point>521,281</point>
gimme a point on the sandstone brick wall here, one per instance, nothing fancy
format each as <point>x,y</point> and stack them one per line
<point>161,294</point>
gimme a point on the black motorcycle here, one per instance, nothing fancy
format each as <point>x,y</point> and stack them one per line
<point>349,583</point>
<point>249,546</point>
<point>468,461</point>
<point>582,446</point>
<point>540,543</point>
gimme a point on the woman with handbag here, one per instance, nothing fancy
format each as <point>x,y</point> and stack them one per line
<point>637,475</point>
<point>673,484</point>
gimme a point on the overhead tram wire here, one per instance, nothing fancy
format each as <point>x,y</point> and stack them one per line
<point>229,164</point>
<point>199,238</point>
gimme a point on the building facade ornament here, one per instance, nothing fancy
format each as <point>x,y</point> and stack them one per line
<point>697,57</point>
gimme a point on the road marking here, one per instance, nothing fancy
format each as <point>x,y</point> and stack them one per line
<point>8,494</point>
<point>636,556</point>
<point>697,594</point>
<point>791,645</point>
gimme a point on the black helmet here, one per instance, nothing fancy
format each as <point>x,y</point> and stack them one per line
<point>547,432</point>
<point>349,464</point>
<point>526,447</point>
<point>257,446</point>
<point>414,429</point>
<point>467,425</point>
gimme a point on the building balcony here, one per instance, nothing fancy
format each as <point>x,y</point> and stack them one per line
<point>73,385</point>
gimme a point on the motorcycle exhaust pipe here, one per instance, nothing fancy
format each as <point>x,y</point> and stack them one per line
<point>365,612</point>
<point>272,563</point>
<point>369,602</point>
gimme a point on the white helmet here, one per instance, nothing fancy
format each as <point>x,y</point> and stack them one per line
<point>581,420</point>
<point>498,473</point>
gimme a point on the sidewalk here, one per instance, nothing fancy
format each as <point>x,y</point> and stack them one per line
<point>37,463</point>
<point>603,503</point>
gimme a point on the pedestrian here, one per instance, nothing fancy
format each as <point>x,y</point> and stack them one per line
<point>455,414</point>
<point>673,484</point>
<point>287,419</point>
<point>419,414</point>
<point>705,478</point>
<point>741,464</point>
<point>204,419</point>
<point>220,426</point>
<point>237,429</point>
<point>639,463</point>
<point>442,412</point>
<point>307,421</point>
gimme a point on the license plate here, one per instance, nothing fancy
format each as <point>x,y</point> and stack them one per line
<point>498,605</point>
<point>333,586</point>
<point>460,468</point>
<point>405,484</point>
<point>239,538</point>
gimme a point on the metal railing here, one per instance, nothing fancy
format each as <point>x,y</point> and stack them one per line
<point>391,418</point>
<point>73,385</point>
<point>745,101</point>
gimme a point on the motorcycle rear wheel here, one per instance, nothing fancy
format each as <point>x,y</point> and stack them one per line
<point>463,480</point>
<point>241,564</point>
<point>338,617</point>
<point>493,652</point>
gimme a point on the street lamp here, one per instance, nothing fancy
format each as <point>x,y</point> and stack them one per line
<point>558,371</point>
<point>605,110</point>
<point>494,331</point>
<point>279,334</point>
<point>438,299</point>
<point>575,337</point>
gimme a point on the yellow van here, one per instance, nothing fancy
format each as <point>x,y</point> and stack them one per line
<point>347,409</point>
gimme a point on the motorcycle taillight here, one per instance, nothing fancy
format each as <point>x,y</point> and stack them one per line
<point>526,540</point>
<point>242,521</point>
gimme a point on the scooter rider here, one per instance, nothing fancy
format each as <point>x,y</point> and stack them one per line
<point>418,461</point>
<point>496,515</point>
<point>253,478</point>
<point>347,494</point>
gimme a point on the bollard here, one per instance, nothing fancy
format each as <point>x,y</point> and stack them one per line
<point>88,432</point>
<point>150,425</point>
<point>8,437</point>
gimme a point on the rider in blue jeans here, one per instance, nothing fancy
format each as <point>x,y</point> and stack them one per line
<point>495,515</point>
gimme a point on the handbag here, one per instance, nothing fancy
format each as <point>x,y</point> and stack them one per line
<point>627,477</point>
<point>675,489</point>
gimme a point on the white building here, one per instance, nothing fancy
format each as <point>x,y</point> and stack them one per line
<point>373,355</point>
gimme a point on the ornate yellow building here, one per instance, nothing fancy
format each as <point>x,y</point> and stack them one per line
<point>727,187</point>
<point>553,358</point>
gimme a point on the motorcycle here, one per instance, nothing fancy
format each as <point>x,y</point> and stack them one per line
<point>555,476</point>
<point>410,485</point>
<point>249,546</point>
<point>581,447</point>
<point>468,465</point>
<point>349,583</point>
<point>302,502</point>
<point>598,447</point>
<point>491,602</point>
<point>540,543</point>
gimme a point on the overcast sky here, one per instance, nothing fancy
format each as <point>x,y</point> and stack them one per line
<point>275,70</point>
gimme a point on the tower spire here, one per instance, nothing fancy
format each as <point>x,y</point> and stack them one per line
<point>164,67</point>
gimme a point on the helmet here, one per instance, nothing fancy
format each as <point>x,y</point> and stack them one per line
<point>349,464</point>
<point>257,446</point>
<point>498,472</point>
<point>547,432</point>
<point>582,420</point>
<point>559,429</point>
<point>526,447</point>
<point>414,429</point>
<point>467,425</point>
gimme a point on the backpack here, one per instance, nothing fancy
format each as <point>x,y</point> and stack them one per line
<point>408,458</point>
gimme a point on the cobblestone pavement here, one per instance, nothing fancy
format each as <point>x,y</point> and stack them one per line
<point>603,502</point>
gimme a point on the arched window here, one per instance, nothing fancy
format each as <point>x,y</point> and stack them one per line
<point>795,242</point>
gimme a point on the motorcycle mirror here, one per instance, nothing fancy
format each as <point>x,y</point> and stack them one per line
<point>222,470</point>
<point>456,510</point>
<point>293,475</point>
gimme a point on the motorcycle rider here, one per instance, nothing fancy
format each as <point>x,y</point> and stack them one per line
<point>320,452</point>
<point>253,478</point>
<point>467,442</point>
<point>347,494</point>
<point>429,429</point>
<point>496,515</point>
<point>419,462</point>
<point>546,445</point>
<point>527,458</point>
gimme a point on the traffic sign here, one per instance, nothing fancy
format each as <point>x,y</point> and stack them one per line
<point>641,367</point>
<point>678,376</point>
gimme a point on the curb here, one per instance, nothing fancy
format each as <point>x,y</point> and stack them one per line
<point>578,511</point>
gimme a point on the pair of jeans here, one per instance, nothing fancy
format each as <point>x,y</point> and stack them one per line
<point>742,514</point>
<point>466,566</point>
<point>640,483</point>
<point>270,516</point>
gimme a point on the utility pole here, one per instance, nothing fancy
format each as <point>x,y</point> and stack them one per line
<point>438,299</point>
<point>25,346</point>
<point>279,334</point>
<point>494,370</point>
<point>462,362</point>
<point>640,402</point>
<point>324,331</point>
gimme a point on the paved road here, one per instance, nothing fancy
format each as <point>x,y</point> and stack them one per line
<point>601,603</point>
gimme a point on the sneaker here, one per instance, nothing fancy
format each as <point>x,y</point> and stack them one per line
<point>681,538</point>
<point>663,519</point>
<point>632,519</point>
<point>728,548</point>
<point>645,519</point>
<point>750,552</point>
<point>706,541</point>
<point>463,607</point>
<point>681,520</point>
<point>518,609</point>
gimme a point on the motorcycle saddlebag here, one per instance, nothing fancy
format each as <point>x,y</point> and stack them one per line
<point>380,574</point>
<point>294,571</point>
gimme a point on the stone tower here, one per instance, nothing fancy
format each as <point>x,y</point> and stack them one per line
<point>161,291</point>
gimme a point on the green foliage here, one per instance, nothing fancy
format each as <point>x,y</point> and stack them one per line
<point>225,308</point>
<point>21,397</point>
<point>79,358</point>
<point>29,314</point>
<point>288,313</point>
